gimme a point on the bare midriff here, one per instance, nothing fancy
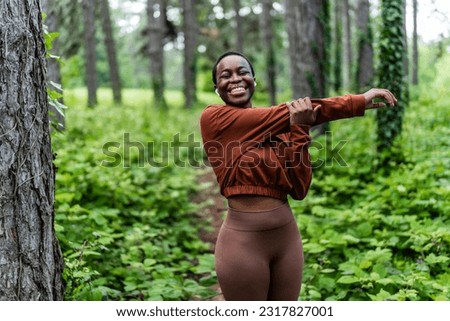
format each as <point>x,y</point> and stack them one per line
<point>253,202</point>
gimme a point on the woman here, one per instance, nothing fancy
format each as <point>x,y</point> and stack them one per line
<point>260,156</point>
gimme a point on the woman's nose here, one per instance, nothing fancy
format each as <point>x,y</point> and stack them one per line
<point>235,77</point>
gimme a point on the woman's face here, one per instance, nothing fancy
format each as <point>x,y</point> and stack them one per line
<point>235,81</point>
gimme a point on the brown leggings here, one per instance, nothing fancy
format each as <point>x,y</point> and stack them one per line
<point>259,255</point>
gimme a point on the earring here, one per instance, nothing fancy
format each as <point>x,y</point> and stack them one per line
<point>255,83</point>
<point>217,92</point>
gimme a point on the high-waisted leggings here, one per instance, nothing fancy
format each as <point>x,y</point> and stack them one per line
<point>259,255</point>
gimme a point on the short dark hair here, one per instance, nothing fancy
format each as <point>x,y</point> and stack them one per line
<point>229,53</point>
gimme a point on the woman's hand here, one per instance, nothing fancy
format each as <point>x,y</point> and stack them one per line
<point>302,111</point>
<point>379,93</point>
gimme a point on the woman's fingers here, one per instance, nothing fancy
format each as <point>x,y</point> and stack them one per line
<point>382,93</point>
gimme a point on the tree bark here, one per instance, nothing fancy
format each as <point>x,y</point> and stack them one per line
<point>405,43</point>
<point>267,37</point>
<point>348,55</point>
<point>110,45</point>
<point>155,13</point>
<point>293,31</point>
<point>337,70</point>
<point>308,48</point>
<point>51,9</point>
<point>239,26</point>
<point>415,53</point>
<point>190,49</point>
<point>89,40</point>
<point>30,258</point>
<point>312,49</point>
<point>365,72</point>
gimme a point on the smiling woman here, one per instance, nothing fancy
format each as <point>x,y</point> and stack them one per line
<point>260,156</point>
<point>234,80</point>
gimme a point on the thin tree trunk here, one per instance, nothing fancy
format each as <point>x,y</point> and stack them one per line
<point>337,70</point>
<point>190,48</point>
<point>30,258</point>
<point>292,27</point>
<point>405,43</point>
<point>89,39</point>
<point>266,22</point>
<point>348,57</point>
<point>415,53</point>
<point>365,72</point>
<point>53,67</point>
<point>239,26</point>
<point>111,51</point>
<point>155,13</point>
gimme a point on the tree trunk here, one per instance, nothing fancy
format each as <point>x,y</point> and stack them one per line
<point>239,26</point>
<point>52,11</point>
<point>110,45</point>
<point>293,31</point>
<point>155,13</point>
<point>391,72</point>
<point>415,53</point>
<point>308,48</point>
<point>30,258</point>
<point>190,49</point>
<point>405,43</point>
<point>364,73</point>
<point>348,56</point>
<point>312,49</point>
<point>337,70</point>
<point>267,32</point>
<point>89,40</point>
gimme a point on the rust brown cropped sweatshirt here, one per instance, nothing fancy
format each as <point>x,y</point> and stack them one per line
<point>255,151</point>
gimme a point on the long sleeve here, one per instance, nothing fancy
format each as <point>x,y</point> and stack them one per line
<point>234,124</point>
<point>339,107</point>
<point>297,160</point>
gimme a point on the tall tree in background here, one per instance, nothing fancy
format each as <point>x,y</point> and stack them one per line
<point>267,37</point>
<point>308,48</point>
<point>364,72</point>
<point>52,10</point>
<point>337,67</point>
<point>155,15</point>
<point>239,26</point>
<point>110,45</point>
<point>405,43</point>
<point>415,51</point>
<point>30,256</point>
<point>348,54</point>
<point>190,49</point>
<point>391,72</point>
<point>89,40</point>
<point>293,31</point>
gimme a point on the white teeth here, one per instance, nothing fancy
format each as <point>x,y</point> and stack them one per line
<point>237,90</point>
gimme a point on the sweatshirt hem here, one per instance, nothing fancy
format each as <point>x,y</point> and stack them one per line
<point>254,190</point>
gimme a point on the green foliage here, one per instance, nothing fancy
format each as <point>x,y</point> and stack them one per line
<point>377,233</point>
<point>128,232</point>
<point>53,95</point>
<point>391,72</point>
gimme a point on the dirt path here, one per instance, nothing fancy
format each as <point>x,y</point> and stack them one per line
<point>214,210</point>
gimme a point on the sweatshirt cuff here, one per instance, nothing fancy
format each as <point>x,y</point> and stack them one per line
<point>300,133</point>
<point>358,105</point>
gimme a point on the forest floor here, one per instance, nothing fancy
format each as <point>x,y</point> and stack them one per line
<point>213,212</point>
